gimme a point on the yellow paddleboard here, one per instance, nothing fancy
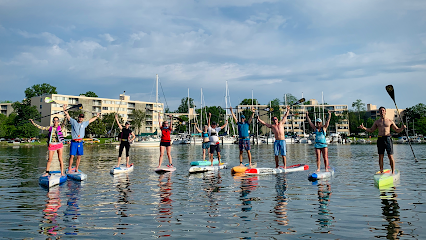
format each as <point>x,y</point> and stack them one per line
<point>242,169</point>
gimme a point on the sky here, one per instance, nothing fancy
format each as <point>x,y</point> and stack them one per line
<point>347,50</point>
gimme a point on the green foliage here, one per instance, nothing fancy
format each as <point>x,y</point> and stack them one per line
<point>183,107</point>
<point>415,116</point>
<point>96,128</point>
<point>420,127</point>
<point>359,106</point>
<point>3,126</point>
<point>5,101</point>
<point>89,94</point>
<point>248,101</point>
<point>109,121</point>
<point>181,127</point>
<point>138,117</point>
<point>275,105</point>
<point>21,121</point>
<point>38,90</point>
<point>290,99</point>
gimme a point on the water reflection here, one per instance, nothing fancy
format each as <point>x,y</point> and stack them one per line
<point>281,199</point>
<point>325,217</point>
<point>212,187</point>
<point>50,225</point>
<point>72,210</point>
<point>248,184</point>
<point>122,184</point>
<point>165,207</point>
<point>390,211</point>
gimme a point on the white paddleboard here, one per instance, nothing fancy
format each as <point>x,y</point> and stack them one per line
<point>164,170</point>
<point>321,174</point>
<point>280,169</point>
<point>54,178</point>
<point>198,169</point>
<point>121,169</point>
<point>79,176</point>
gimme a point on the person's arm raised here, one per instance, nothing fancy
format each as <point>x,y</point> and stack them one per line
<point>94,118</point>
<point>252,115</point>
<point>118,123</point>
<point>233,115</point>
<point>286,115</point>
<point>264,123</point>
<point>309,120</point>
<point>66,112</point>
<point>370,130</point>
<point>328,120</point>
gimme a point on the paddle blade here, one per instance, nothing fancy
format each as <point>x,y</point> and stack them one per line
<point>299,102</point>
<point>48,100</point>
<point>389,89</point>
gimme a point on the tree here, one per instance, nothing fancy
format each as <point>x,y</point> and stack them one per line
<point>183,107</point>
<point>5,101</point>
<point>359,106</point>
<point>275,105</point>
<point>109,121</point>
<point>249,101</point>
<point>3,125</point>
<point>290,99</point>
<point>96,128</point>
<point>138,117</point>
<point>38,90</point>
<point>21,121</point>
<point>89,94</point>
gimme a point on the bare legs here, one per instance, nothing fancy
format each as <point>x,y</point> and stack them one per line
<point>391,162</point>
<point>241,157</point>
<point>211,158</point>
<point>277,162</point>
<point>169,156</point>
<point>77,163</point>
<point>324,152</point>
<point>49,161</point>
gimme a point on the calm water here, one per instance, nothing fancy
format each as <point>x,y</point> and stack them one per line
<point>143,204</point>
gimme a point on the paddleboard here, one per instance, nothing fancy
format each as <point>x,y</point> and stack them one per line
<point>321,174</point>
<point>242,169</point>
<point>204,163</point>
<point>280,169</point>
<point>164,170</point>
<point>198,169</point>
<point>79,176</point>
<point>386,178</point>
<point>121,169</point>
<point>54,178</point>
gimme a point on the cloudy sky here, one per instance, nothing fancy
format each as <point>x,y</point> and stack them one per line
<point>347,49</point>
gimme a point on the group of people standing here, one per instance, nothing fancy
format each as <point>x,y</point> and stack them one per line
<point>210,136</point>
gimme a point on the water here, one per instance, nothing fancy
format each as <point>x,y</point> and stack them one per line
<point>144,205</point>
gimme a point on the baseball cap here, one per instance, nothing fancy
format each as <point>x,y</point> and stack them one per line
<point>318,120</point>
<point>127,123</point>
<point>242,116</point>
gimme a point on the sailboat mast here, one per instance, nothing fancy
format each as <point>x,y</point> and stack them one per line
<point>189,116</point>
<point>201,112</point>
<point>226,106</point>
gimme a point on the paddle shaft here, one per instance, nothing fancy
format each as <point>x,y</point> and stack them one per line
<point>119,105</point>
<point>75,106</point>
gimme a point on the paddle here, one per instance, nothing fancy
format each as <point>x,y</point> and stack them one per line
<point>79,106</point>
<point>113,121</point>
<point>390,90</point>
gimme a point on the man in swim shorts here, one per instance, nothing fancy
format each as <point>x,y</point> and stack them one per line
<point>243,135</point>
<point>384,141</point>
<point>278,130</point>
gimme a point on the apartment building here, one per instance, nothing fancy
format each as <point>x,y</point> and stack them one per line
<point>373,113</point>
<point>93,105</point>
<point>296,123</point>
<point>6,108</point>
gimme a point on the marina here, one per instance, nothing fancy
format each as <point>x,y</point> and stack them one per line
<point>145,205</point>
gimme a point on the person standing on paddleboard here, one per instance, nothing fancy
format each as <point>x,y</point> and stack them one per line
<point>55,140</point>
<point>243,135</point>
<point>214,138</point>
<point>165,141</point>
<point>278,130</point>
<point>384,141</point>
<point>206,140</point>
<point>320,141</point>
<point>78,130</point>
<point>125,141</point>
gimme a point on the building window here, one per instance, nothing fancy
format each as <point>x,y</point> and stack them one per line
<point>104,108</point>
<point>41,106</point>
<point>41,99</point>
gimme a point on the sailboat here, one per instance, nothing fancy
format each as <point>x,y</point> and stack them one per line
<point>227,139</point>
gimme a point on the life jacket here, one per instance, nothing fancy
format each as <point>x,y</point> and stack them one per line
<point>58,132</point>
<point>165,134</point>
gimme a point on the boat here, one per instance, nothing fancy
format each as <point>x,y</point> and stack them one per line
<point>204,163</point>
<point>79,176</point>
<point>52,179</point>
<point>227,140</point>
<point>148,142</point>
<point>321,174</point>
<point>242,169</point>
<point>198,169</point>
<point>121,169</point>
<point>280,169</point>
<point>386,178</point>
<point>402,139</point>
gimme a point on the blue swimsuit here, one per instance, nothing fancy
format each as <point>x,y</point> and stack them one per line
<point>320,141</point>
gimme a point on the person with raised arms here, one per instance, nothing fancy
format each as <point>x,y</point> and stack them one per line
<point>214,138</point>
<point>384,141</point>
<point>125,141</point>
<point>206,140</point>
<point>165,141</point>
<point>78,130</point>
<point>243,135</point>
<point>278,130</point>
<point>55,139</point>
<point>320,140</point>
